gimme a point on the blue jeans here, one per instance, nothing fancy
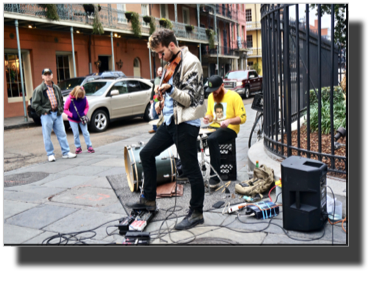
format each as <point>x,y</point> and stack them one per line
<point>187,150</point>
<point>86,134</point>
<point>54,122</point>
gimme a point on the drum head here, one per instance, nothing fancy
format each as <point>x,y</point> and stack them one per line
<point>206,130</point>
<point>154,122</point>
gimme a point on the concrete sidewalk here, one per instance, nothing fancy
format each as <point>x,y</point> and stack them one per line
<point>74,195</point>
<point>18,122</point>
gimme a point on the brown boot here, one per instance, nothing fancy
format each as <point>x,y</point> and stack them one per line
<point>151,131</point>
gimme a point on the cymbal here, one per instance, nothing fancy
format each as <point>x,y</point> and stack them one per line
<point>153,122</point>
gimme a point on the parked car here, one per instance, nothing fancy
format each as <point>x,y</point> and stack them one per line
<point>110,99</point>
<point>68,84</point>
<point>244,82</point>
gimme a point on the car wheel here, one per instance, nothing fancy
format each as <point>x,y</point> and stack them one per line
<point>146,113</point>
<point>37,121</point>
<point>246,92</point>
<point>99,121</point>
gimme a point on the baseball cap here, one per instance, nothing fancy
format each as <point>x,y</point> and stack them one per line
<point>214,82</point>
<point>46,70</point>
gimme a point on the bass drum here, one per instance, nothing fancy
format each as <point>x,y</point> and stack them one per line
<point>165,164</point>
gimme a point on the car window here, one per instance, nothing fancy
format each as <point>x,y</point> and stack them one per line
<point>70,83</point>
<point>96,88</point>
<point>252,74</point>
<point>236,75</point>
<point>144,86</point>
<point>120,86</point>
<point>133,86</point>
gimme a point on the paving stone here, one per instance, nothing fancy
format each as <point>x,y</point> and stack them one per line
<point>113,162</point>
<point>32,194</point>
<point>38,240</point>
<point>112,171</point>
<point>17,235</point>
<point>84,171</point>
<point>283,239</point>
<point>14,207</point>
<point>100,182</point>
<point>69,181</point>
<point>51,177</point>
<point>39,216</point>
<point>52,167</point>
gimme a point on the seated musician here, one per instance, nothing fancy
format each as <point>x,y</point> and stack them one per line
<point>182,107</point>
<point>227,124</point>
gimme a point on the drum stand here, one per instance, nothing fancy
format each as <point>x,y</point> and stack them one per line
<point>202,164</point>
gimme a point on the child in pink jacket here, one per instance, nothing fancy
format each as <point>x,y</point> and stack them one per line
<point>78,97</point>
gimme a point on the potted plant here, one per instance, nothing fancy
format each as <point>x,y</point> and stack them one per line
<point>189,28</point>
<point>136,27</point>
<point>166,23</point>
<point>128,15</point>
<point>211,34</point>
<point>147,19</point>
<point>89,8</point>
<point>51,11</point>
<point>152,25</point>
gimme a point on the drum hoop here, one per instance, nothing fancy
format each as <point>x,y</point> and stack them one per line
<point>126,157</point>
<point>137,174</point>
<point>171,164</point>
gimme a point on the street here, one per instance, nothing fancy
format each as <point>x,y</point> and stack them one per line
<point>24,146</point>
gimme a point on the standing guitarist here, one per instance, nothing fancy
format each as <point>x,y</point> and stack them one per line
<point>182,107</point>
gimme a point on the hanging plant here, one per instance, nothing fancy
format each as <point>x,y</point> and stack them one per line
<point>51,11</point>
<point>166,23</point>
<point>152,25</point>
<point>136,27</point>
<point>97,25</point>
<point>128,15</point>
<point>147,19</point>
<point>89,8</point>
<point>189,28</point>
<point>211,38</point>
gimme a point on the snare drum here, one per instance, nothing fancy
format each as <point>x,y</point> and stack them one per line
<point>165,165</point>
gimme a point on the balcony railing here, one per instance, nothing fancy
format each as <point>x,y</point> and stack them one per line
<point>254,52</point>
<point>237,45</point>
<point>222,51</point>
<point>110,18</point>
<point>253,25</point>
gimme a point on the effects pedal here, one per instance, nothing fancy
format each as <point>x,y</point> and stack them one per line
<point>136,238</point>
<point>137,221</point>
<point>262,210</point>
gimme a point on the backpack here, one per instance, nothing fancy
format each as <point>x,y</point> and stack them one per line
<point>262,180</point>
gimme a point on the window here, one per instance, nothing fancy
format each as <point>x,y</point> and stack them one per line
<point>144,86</point>
<point>249,41</point>
<point>120,13</point>
<point>144,12</point>
<point>63,69</point>
<point>248,15</point>
<point>186,15</point>
<point>250,64</point>
<point>164,11</point>
<point>121,87</point>
<point>12,67</point>
<point>133,86</point>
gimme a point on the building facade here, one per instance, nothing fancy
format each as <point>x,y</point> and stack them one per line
<point>70,49</point>
<point>253,18</point>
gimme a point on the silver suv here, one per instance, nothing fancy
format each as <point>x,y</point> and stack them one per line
<point>112,99</point>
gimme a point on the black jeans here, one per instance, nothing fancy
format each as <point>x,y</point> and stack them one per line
<point>220,136</point>
<point>165,137</point>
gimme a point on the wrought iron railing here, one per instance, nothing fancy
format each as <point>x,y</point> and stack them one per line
<point>253,25</point>
<point>110,18</point>
<point>297,64</point>
<point>221,50</point>
<point>236,45</point>
<point>254,51</point>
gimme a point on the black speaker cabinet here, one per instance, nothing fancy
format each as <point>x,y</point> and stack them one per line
<point>303,194</point>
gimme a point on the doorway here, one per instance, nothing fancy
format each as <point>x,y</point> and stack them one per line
<point>104,63</point>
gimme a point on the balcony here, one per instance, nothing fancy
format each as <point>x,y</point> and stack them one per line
<point>254,52</point>
<point>222,51</point>
<point>253,25</point>
<point>225,12</point>
<point>238,45</point>
<point>111,19</point>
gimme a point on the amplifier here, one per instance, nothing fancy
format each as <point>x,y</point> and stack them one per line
<point>303,194</point>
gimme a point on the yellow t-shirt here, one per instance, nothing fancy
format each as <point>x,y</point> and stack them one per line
<point>231,106</point>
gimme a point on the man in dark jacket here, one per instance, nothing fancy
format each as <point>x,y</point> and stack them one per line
<point>48,102</point>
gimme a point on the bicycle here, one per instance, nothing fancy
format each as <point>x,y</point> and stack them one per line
<point>258,126</point>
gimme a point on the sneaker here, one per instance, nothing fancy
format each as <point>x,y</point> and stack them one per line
<point>69,155</point>
<point>51,158</point>
<point>90,150</point>
<point>192,219</point>
<point>78,151</point>
<point>214,182</point>
<point>144,204</point>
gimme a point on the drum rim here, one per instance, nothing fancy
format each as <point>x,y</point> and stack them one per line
<point>130,182</point>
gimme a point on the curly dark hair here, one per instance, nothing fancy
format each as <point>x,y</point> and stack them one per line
<point>218,105</point>
<point>163,37</point>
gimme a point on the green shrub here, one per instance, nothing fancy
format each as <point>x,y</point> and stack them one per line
<point>339,105</point>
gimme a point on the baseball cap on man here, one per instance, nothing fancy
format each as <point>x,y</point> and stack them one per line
<point>46,70</point>
<point>214,82</point>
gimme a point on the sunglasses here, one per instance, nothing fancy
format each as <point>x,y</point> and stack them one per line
<point>47,74</point>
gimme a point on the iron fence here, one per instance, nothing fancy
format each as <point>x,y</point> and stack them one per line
<point>297,64</point>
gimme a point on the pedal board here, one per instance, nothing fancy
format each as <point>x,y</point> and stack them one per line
<point>136,238</point>
<point>263,210</point>
<point>137,221</point>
